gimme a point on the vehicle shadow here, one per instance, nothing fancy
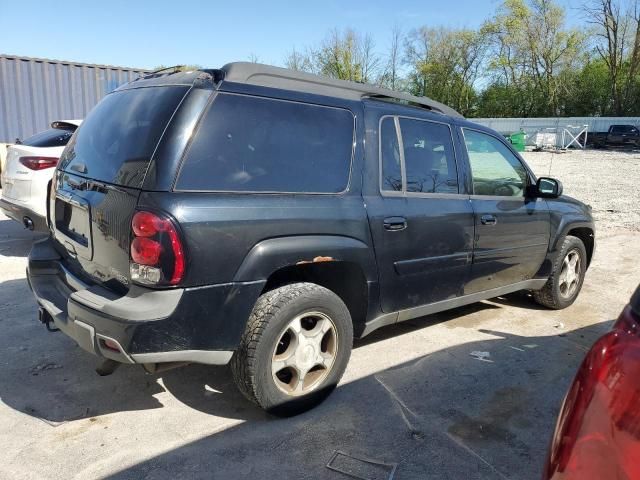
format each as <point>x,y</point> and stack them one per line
<point>447,413</point>
<point>50,377</point>
<point>68,387</point>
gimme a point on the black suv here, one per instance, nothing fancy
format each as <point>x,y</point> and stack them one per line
<point>264,217</point>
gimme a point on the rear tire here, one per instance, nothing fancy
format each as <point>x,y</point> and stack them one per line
<point>294,350</point>
<point>567,276</point>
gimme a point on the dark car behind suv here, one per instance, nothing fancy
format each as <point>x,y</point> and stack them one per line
<point>263,217</point>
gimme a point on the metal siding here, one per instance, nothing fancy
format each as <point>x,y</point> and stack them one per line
<point>35,91</point>
<point>511,125</point>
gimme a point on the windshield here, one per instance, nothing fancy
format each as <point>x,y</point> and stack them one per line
<point>117,140</point>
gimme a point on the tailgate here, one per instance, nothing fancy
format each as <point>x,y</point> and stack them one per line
<point>91,221</point>
<point>99,178</point>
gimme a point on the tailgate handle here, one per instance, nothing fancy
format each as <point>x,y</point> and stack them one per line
<point>72,199</point>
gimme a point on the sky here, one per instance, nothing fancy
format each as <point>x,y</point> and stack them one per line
<point>146,34</point>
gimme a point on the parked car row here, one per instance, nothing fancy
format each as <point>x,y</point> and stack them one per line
<point>28,171</point>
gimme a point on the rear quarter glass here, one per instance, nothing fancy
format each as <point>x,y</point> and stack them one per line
<point>116,141</point>
<point>256,144</point>
<point>53,137</point>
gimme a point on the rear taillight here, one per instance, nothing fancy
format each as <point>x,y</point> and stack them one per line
<point>38,163</point>
<point>157,254</point>
<point>598,430</point>
<point>628,322</point>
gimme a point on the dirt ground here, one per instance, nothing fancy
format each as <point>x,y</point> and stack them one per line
<point>472,393</point>
<point>606,180</point>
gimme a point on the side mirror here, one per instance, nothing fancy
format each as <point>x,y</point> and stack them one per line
<point>547,187</point>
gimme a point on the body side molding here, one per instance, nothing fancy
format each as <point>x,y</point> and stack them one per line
<point>415,312</point>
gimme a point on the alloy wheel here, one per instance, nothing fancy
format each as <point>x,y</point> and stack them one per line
<point>305,353</point>
<point>570,274</point>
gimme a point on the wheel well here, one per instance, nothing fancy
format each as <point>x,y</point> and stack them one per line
<point>345,279</point>
<point>586,235</point>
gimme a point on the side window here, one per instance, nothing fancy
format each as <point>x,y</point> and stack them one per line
<point>390,155</point>
<point>255,144</point>
<point>428,156</point>
<point>494,168</point>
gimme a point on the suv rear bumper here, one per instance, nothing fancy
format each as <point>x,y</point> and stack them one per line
<point>19,212</point>
<point>199,325</point>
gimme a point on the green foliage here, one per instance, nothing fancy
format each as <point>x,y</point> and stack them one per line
<point>523,61</point>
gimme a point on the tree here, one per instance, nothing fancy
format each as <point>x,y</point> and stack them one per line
<point>532,47</point>
<point>523,61</point>
<point>588,90</point>
<point>296,60</point>
<point>345,55</point>
<point>444,64</point>
<point>618,45</point>
<point>391,73</point>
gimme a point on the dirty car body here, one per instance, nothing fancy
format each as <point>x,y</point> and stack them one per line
<point>253,178</point>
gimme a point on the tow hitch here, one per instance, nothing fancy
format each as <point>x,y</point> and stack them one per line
<point>46,318</point>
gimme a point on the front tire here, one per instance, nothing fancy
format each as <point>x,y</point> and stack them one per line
<point>295,348</point>
<point>567,276</point>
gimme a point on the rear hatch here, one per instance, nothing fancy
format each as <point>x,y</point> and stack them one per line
<point>99,177</point>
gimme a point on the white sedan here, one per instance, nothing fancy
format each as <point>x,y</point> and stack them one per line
<point>28,170</point>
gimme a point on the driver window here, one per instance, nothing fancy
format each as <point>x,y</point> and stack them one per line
<point>496,171</point>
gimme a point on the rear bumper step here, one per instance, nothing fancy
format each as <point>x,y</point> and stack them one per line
<point>144,326</point>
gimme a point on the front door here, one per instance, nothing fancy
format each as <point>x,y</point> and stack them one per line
<point>511,229</point>
<point>422,226</point>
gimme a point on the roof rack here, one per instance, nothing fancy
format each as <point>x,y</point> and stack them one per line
<point>276,77</point>
<point>164,70</point>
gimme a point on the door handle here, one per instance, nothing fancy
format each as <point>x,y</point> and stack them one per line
<point>395,224</point>
<point>488,220</point>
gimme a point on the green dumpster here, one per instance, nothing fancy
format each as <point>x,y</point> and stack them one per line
<point>518,141</point>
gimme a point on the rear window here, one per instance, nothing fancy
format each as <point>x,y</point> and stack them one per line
<point>254,144</point>
<point>623,129</point>
<point>54,137</point>
<point>117,139</point>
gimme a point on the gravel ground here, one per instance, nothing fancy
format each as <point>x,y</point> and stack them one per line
<point>606,180</point>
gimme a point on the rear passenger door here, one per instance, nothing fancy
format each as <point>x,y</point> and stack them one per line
<point>511,229</point>
<point>420,217</point>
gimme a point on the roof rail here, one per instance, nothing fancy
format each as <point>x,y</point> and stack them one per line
<point>276,77</point>
<point>165,70</point>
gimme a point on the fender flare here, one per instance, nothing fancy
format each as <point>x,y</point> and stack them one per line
<point>568,223</point>
<point>270,255</point>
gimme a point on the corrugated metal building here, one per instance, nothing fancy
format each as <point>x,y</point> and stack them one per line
<point>596,124</point>
<point>36,91</point>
